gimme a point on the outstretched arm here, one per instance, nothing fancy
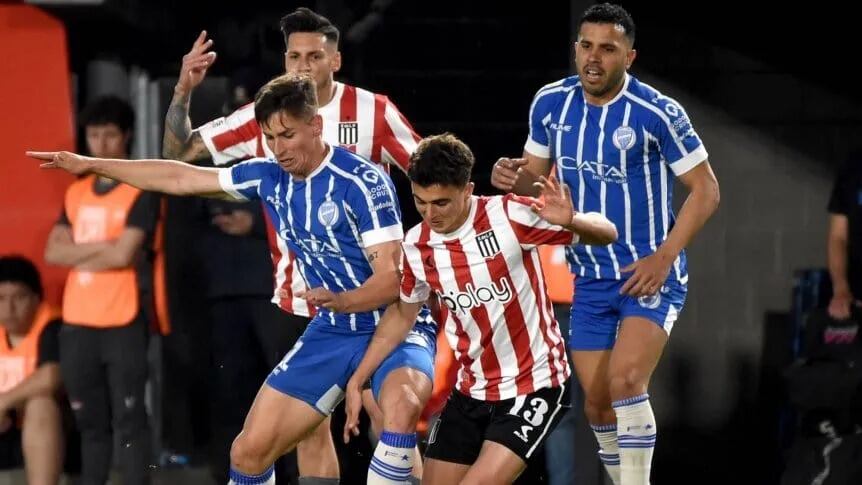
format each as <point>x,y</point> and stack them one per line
<point>166,176</point>
<point>555,206</point>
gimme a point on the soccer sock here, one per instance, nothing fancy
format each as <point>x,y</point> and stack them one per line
<point>636,432</point>
<point>318,481</point>
<point>414,480</point>
<point>393,459</point>
<point>239,478</point>
<point>609,450</point>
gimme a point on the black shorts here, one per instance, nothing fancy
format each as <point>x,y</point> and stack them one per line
<point>520,424</point>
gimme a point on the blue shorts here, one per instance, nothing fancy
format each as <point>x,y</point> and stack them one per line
<point>317,368</point>
<point>599,308</point>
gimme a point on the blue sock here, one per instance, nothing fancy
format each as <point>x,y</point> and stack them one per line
<point>393,459</point>
<point>239,478</point>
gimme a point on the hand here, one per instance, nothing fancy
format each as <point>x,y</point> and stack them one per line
<point>839,305</point>
<point>196,63</point>
<point>236,223</point>
<point>505,173</point>
<point>555,201</point>
<point>648,275</point>
<point>321,297</point>
<point>352,406</point>
<point>68,161</point>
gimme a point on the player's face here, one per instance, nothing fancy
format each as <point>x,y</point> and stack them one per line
<point>107,141</point>
<point>443,207</point>
<point>18,305</point>
<point>311,54</point>
<point>603,53</point>
<point>292,140</point>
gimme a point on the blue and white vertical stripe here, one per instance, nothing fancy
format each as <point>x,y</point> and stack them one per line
<point>617,159</point>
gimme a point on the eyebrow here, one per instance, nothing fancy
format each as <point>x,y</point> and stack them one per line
<point>443,199</point>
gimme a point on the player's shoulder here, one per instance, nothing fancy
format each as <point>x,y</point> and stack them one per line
<point>355,171</point>
<point>414,234</point>
<point>558,88</point>
<point>365,94</point>
<point>654,102</point>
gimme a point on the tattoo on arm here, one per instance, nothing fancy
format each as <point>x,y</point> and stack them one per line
<point>372,256</point>
<point>178,126</point>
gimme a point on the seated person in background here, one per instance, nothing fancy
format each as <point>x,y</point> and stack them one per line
<point>30,418</point>
<point>844,248</point>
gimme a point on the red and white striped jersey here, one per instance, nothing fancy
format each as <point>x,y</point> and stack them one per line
<point>366,123</point>
<point>488,280</point>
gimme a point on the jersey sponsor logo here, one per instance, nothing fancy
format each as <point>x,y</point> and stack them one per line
<point>327,213</point>
<point>624,138</point>
<point>472,297</point>
<point>488,245</point>
<point>348,133</point>
<point>596,170</point>
<point>318,249</point>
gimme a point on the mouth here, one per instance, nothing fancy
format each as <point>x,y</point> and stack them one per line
<point>593,74</point>
<point>286,162</point>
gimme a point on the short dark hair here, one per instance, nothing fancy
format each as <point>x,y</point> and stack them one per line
<point>18,269</point>
<point>307,20</point>
<point>609,13</point>
<point>109,109</point>
<point>292,93</point>
<point>441,160</point>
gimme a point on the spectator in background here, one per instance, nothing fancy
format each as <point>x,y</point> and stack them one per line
<point>30,420</point>
<point>844,248</point>
<point>102,231</point>
<point>250,335</point>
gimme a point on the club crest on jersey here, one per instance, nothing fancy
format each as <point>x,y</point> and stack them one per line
<point>624,137</point>
<point>348,133</point>
<point>327,213</point>
<point>488,245</point>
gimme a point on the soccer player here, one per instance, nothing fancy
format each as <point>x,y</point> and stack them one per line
<point>363,122</point>
<point>478,256</point>
<point>617,143</point>
<point>339,214</point>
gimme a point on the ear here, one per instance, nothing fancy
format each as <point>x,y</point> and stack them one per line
<point>335,63</point>
<point>630,58</point>
<point>285,61</point>
<point>468,191</point>
<point>317,125</point>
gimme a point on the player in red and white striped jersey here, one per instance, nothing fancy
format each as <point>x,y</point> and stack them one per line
<point>478,257</point>
<point>366,123</point>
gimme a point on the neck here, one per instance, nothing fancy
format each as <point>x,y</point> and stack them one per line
<point>326,93</point>
<point>605,98</point>
<point>315,158</point>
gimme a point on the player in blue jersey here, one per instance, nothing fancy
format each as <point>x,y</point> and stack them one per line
<point>618,143</point>
<point>339,214</point>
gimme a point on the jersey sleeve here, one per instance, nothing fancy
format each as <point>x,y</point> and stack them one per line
<point>680,145</point>
<point>398,140</point>
<point>242,181</point>
<point>539,139</point>
<point>372,201</point>
<point>841,198</point>
<point>233,137</point>
<point>530,229</point>
<point>413,289</point>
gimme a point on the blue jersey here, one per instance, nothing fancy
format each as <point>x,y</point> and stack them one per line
<point>328,220</point>
<point>618,159</point>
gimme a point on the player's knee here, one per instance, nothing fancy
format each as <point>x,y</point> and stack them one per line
<point>248,456</point>
<point>627,382</point>
<point>41,407</point>
<point>401,409</point>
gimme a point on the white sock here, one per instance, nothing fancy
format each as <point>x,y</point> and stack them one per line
<point>239,478</point>
<point>609,451</point>
<point>393,458</point>
<point>636,433</point>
